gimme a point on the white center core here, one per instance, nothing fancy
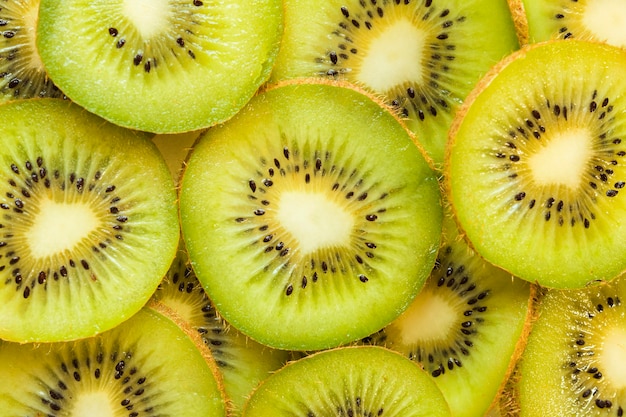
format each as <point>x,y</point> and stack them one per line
<point>562,161</point>
<point>93,404</point>
<point>314,221</point>
<point>428,319</point>
<point>612,358</point>
<point>393,57</point>
<point>606,19</point>
<point>148,16</point>
<point>60,226</point>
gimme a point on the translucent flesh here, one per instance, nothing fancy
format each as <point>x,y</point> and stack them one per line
<point>177,67</point>
<point>337,144</point>
<point>105,230</point>
<point>145,363</point>
<point>546,231</point>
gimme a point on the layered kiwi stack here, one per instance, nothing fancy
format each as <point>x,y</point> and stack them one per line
<point>357,208</point>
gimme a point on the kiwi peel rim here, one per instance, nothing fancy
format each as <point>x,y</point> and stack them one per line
<point>520,21</point>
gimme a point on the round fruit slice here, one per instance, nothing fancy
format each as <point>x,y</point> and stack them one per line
<point>145,367</point>
<point>242,362</point>
<point>162,66</point>
<point>466,327</point>
<point>573,364</point>
<point>348,381</point>
<point>89,221</point>
<point>311,218</point>
<point>598,20</point>
<point>536,165</point>
<point>22,74</point>
<point>423,56</point>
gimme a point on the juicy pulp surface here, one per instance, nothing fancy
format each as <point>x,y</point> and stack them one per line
<point>333,143</point>
<point>560,232</point>
<point>359,381</point>
<point>574,360</point>
<point>147,366</point>
<point>598,20</point>
<point>164,67</point>
<point>423,56</point>
<point>87,237</point>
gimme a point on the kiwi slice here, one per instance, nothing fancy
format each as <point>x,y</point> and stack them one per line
<point>85,235</point>
<point>465,328</point>
<point>22,74</point>
<point>574,359</point>
<point>597,20</point>
<point>423,56</point>
<point>348,381</point>
<point>162,66</point>
<point>535,165</point>
<point>242,362</point>
<point>147,366</point>
<point>311,218</point>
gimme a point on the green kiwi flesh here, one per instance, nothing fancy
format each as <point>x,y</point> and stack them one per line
<point>311,218</point>
<point>465,327</point>
<point>573,363</point>
<point>350,381</point>
<point>242,362</point>
<point>535,165</point>
<point>85,236</point>
<point>22,74</point>
<point>598,20</point>
<point>145,367</point>
<point>423,56</point>
<point>163,66</point>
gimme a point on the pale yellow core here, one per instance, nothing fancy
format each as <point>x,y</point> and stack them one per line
<point>393,57</point>
<point>429,318</point>
<point>93,404</point>
<point>612,358</point>
<point>31,19</point>
<point>60,226</point>
<point>314,221</point>
<point>562,160</point>
<point>606,19</point>
<point>148,16</point>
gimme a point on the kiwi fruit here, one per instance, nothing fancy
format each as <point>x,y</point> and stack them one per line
<point>597,20</point>
<point>147,366</point>
<point>163,66</point>
<point>423,56</point>
<point>175,148</point>
<point>22,74</point>
<point>85,236</point>
<point>466,328</point>
<point>535,164</point>
<point>311,218</point>
<point>364,381</point>
<point>573,363</point>
<point>242,362</point>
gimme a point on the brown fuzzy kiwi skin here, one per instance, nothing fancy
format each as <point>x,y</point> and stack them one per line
<point>520,21</point>
<point>204,350</point>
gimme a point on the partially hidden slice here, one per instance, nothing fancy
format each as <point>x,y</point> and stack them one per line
<point>316,210</point>
<point>85,236</point>
<point>146,367</point>
<point>535,167</point>
<point>573,364</point>
<point>22,74</point>
<point>422,56</point>
<point>158,65</point>
<point>466,328</point>
<point>349,381</point>
<point>242,362</point>
<point>597,20</point>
